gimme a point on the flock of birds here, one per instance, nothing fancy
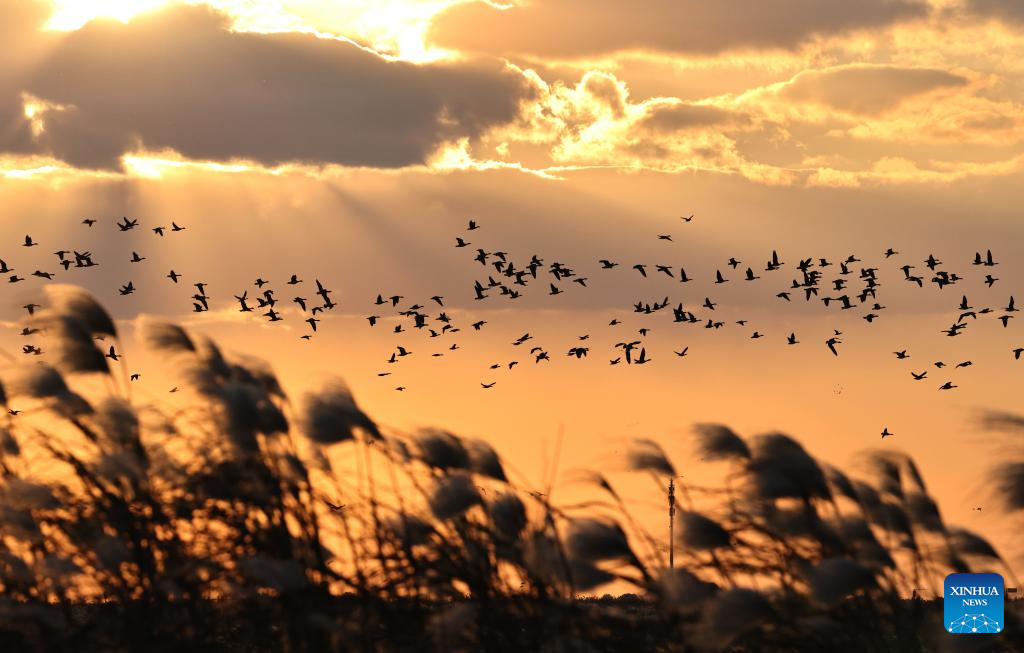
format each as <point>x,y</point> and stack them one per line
<point>840,285</point>
<point>852,287</point>
<point>264,301</point>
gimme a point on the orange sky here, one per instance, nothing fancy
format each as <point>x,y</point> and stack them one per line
<point>353,145</point>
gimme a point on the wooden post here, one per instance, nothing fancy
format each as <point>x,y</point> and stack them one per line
<point>671,523</point>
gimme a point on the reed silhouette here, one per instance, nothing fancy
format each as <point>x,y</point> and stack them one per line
<point>235,518</point>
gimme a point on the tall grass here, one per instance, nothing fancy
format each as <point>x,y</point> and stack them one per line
<point>238,515</point>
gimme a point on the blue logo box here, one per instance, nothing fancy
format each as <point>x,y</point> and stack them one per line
<point>973,603</point>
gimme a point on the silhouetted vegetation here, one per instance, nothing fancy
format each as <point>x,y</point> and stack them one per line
<point>236,518</point>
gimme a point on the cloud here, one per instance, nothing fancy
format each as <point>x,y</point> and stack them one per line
<point>867,89</point>
<point>179,79</point>
<point>682,116</point>
<point>581,28</point>
<point>1011,11</point>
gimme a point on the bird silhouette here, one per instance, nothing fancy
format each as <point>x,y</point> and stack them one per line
<point>127,224</point>
<point>832,342</point>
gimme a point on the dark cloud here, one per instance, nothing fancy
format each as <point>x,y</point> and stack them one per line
<point>577,28</point>
<point>181,79</point>
<point>1008,10</point>
<point>20,21</point>
<point>678,117</point>
<point>867,89</point>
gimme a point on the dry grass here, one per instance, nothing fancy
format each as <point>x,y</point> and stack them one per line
<point>224,523</point>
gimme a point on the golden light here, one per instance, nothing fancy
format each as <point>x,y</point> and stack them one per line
<point>395,28</point>
<point>72,14</point>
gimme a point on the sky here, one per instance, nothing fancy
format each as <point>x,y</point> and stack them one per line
<point>353,143</point>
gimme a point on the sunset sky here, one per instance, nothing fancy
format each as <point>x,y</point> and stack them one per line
<point>352,142</point>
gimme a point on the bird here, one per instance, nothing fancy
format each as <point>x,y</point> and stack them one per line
<point>485,386</point>
<point>335,507</point>
<point>29,242</point>
<point>88,222</point>
<point>159,231</point>
<point>31,308</point>
<point>689,219</point>
<point>948,385</point>
<point>135,377</point>
<point>681,353</point>
<point>901,354</point>
<point>175,227</point>
<point>127,289</point>
<point>294,280</point>
<point>719,278</point>
<point>459,242</point>
<point>791,339</point>
<point>918,377</point>
<point>136,258</point>
<point>173,276</point>
<point>886,433</point>
<point>1017,352</point>
<point>642,269</point>
<point>964,364</point>
<point>112,355</point>
<point>128,224</point>
<point>606,264</point>
<point>832,342</point>
<point>243,306</point>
